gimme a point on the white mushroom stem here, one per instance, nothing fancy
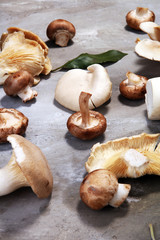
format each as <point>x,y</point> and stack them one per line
<point>84,108</point>
<point>62,37</point>
<point>140,11</point>
<point>27,94</point>
<point>133,79</point>
<point>120,195</point>
<point>11,177</point>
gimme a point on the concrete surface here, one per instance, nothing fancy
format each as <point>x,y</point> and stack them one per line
<point>100,27</point>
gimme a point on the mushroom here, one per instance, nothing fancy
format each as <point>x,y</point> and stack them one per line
<point>132,157</point>
<point>27,167</point>
<point>11,122</point>
<point>152,98</point>
<point>61,31</point>
<point>152,29</point>
<point>134,87</point>
<point>95,81</point>
<point>86,124</point>
<point>135,17</point>
<point>101,188</point>
<point>19,83</point>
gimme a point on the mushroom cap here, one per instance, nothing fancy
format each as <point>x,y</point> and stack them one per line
<point>135,17</point>
<point>11,122</point>
<point>17,81</point>
<point>60,25</point>
<point>134,91</point>
<point>151,29</point>
<point>96,127</point>
<point>33,164</point>
<point>98,188</point>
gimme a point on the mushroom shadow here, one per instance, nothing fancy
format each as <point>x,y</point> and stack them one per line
<point>131,103</point>
<point>15,102</point>
<point>51,44</point>
<point>129,29</point>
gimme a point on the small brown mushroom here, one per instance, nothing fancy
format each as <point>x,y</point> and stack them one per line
<point>101,188</point>
<point>135,17</point>
<point>11,122</point>
<point>61,31</point>
<point>19,83</point>
<point>134,87</point>
<point>86,124</point>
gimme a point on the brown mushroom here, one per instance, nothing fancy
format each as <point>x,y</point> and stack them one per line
<point>19,83</point>
<point>86,124</point>
<point>61,31</point>
<point>11,122</point>
<point>101,188</point>
<point>27,167</point>
<point>134,87</point>
<point>135,17</point>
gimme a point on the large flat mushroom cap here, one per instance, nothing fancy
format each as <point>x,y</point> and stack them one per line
<point>33,164</point>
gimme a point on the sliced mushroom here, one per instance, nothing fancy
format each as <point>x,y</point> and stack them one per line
<point>11,122</point>
<point>127,157</point>
<point>101,188</point>
<point>152,29</point>
<point>27,167</point>
<point>134,87</point>
<point>95,81</point>
<point>135,17</point>
<point>20,83</point>
<point>61,31</point>
<point>86,124</point>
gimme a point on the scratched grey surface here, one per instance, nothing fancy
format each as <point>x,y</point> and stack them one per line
<point>100,27</point>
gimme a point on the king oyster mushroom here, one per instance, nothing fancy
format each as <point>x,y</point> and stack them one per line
<point>23,50</point>
<point>95,81</point>
<point>127,157</point>
<point>27,167</point>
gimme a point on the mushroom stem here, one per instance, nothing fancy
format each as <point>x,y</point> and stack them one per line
<point>140,11</point>
<point>62,38</point>
<point>120,195</point>
<point>11,177</point>
<point>84,108</point>
<point>133,79</point>
<point>27,94</point>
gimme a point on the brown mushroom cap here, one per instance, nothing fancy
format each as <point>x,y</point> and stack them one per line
<point>135,17</point>
<point>133,91</point>
<point>33,164</point>
<point>11,122</point>
<point>17,81</point>
<point>98,188</point>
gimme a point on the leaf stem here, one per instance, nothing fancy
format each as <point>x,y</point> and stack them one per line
<point>151,231</point>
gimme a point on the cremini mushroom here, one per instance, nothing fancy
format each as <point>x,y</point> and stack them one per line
<point>12,121</point>
<point>135,17</point>
<point>23,50</point>
<point>86,124</point>
<point>132,156</point>
<point>95,81</point>
<point>27,167</point>
<point>20,83</point>
<point>152,98</point>
<point>101,188</point>
<point>134,87</point>
<point>61,31</point>
<point>152,29</point>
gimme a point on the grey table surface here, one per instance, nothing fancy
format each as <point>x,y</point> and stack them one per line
<point>100,26</point>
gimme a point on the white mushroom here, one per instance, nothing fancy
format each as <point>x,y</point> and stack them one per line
<point>27,167</point>
<point>95,81</point>
<point>152,98</point>
<point>152,29</point>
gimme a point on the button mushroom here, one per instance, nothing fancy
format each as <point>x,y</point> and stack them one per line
<point>132,157</point>
<point>19,83</point>
<point>95,81</point>
<point>134,87</point>
<point>135,17</point>
<point>86,124</point>
<point>101,188</point>
<point>27,167</point>
<point>11,122</point>
<point>61,31</point>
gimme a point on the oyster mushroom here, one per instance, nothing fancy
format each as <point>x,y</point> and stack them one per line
<point>86,124</point>
<point>135,17</point>
<point>20,83</point>
<point>127,157</point>
<point>101,188</point>
<point>61,31</point>
<point>27,167</point>
<point>11,122</point>
<point>134,87</point>
<point>95,81</point>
